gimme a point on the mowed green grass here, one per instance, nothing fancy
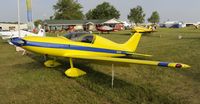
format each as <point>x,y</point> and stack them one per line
<point>25,80</point>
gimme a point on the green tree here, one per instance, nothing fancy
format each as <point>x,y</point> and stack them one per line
<point>68,9</point>
<point>136,15</point>
<point>103,11</point>
<point>37,22</point>
<point>89,14</point>
<point>155,18</point>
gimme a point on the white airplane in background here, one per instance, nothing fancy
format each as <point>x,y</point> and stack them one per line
<point>6,35</point>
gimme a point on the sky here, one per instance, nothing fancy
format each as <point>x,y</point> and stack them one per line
<point>173,10</point>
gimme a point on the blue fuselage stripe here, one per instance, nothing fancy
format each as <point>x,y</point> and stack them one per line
<point>73,47</point>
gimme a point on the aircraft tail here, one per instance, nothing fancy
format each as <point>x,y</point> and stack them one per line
<point>41,32</point>
<point>132,43</point>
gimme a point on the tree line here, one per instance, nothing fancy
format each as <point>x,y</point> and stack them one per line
<point>71,10</point>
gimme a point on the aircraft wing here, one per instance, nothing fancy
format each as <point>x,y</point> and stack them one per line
<point>139,54</point>
<point>133,61</point>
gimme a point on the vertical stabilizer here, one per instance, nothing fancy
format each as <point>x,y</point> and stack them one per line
<point>132,43</point>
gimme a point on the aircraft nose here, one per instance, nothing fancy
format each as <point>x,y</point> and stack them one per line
<point>18,41</point>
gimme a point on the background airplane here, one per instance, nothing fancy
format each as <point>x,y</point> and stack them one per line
<point>142,29</point>
<point>87,46</point>
<point>107,29</point>
<point>6,35</point>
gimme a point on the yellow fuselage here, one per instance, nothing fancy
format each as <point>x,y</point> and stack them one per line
<point>61,46</point>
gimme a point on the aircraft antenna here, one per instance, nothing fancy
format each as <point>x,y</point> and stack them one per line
<point>113,76</point>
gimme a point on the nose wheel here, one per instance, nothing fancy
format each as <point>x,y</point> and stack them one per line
<point>50,63</point>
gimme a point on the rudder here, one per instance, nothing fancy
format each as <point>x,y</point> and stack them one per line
<point>132,43</point>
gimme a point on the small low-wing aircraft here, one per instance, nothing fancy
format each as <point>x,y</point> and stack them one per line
<point>87,46</point>
<point>6,35</point>
<point>142,29</point>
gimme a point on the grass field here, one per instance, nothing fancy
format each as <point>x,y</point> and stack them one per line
<point>25,80</point>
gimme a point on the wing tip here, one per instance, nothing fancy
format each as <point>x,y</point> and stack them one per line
<point>174,65</point>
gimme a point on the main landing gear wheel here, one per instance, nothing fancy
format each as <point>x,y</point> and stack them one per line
<point>74,72</point>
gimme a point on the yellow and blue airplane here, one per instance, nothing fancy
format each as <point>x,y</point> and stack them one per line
<point>87,46</point>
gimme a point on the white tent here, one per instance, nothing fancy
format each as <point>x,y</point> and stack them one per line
<point>112,21</point>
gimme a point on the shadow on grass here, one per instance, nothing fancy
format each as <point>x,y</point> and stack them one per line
<point>191,74</point>
<point>123,92</point>
<point>187,37</point>
<point>100,84</point>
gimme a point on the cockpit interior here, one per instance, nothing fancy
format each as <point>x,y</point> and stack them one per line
<point>80,37</point>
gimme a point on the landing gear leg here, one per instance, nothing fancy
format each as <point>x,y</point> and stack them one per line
<point>72,71</point>
<point>45,57</point>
